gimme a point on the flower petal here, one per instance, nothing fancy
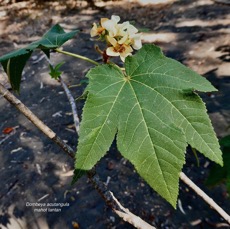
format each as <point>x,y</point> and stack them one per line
<point>111,52</point>
<point>131,29</point>
<point>93,31</point>
<point>137,44</point>
<point>123,39</point>
<point>111,40</point>
<point>124,55</point>
<point>136,38</point>
<point>111,27</point>
<point>103,20</point>
<point>115,18</point>
<point>128,49</point>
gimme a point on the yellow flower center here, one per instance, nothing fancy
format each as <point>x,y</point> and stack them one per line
<point>120,48</point>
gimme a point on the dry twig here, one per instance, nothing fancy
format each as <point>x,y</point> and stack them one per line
<point>205,197</point>
<point>72,103</point>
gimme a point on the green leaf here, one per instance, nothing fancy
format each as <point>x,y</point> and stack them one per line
<point>14,62</point>
<point>14,68</point>
<point>54,71</point>
<point>155,113</point>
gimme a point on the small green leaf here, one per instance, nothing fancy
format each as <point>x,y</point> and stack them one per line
<point>54,71</point>
<point>14,62</point>
<point>154,111</point>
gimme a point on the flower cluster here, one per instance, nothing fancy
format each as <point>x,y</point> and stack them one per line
<point>121,38</point>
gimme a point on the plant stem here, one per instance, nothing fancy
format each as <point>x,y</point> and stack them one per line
<point>72,104</point>
<point>70,98</point>
<point>77,56</point>
<point>130,217</point>
<point>205,197</point>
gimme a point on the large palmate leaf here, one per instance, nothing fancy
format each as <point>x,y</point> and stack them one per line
<point>155,112</point>
<point>14,62</point>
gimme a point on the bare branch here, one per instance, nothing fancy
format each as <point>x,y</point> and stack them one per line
<point>205,197</point>
<point>129,217</point>
<point>116,206</point>
<point>69,96</point>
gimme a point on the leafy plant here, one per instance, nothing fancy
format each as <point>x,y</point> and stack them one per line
<point>150,106</point>
<point>155,113</point>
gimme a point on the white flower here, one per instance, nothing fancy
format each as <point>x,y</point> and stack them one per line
<point>131,36</point>
<point>111,25</point>
<point>136,41</point>
<point>130,29</point>
<point>96,30</point>
<point>117,49</point>
<point>121,38</point>
<point>99,30</point>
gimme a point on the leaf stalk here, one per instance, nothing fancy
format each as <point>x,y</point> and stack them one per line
<point>77,56</point>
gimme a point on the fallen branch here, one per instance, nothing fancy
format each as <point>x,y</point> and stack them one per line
<point>205,197</point>
<point>97,183</point>
<point>130,217</point>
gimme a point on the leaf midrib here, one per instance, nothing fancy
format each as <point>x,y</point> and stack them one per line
<point>149,136</point>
